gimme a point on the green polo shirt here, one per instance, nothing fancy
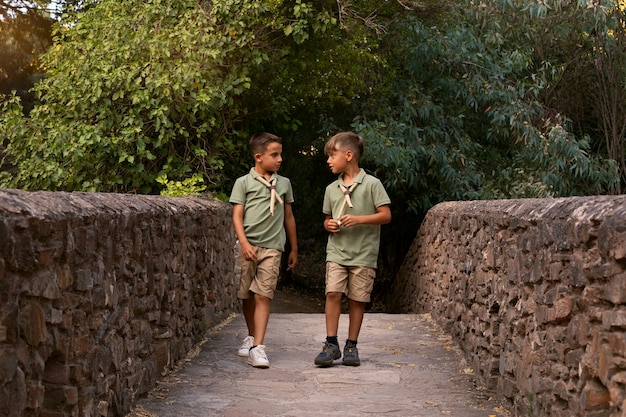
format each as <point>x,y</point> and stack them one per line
<point>357,245</point>
<point>261,228</point>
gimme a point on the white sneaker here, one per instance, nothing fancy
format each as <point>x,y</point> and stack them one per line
<point>258,358</point>
<point>248,342</point>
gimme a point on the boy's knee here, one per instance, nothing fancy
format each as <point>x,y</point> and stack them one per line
<point>334,296</point>
<point>258,298</point>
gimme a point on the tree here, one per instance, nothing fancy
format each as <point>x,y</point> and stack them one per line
<point>25,34</point>
<point>467,120</point>
<point>139,89</point>
<point>582,45</point>
<point>609,55</point>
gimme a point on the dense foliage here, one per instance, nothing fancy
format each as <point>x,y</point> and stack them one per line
<point>138,89</point>
<point>466,122</point>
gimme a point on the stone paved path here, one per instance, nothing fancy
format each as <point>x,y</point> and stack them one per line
<point>409,367</point>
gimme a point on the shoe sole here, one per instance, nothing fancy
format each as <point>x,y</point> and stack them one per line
<point>243,355</point>
<point>325,362</point>
<point>259,365</point>
<point>351,363</point>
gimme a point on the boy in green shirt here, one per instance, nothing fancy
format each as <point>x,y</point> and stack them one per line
<point>263,220</point>
<point>355,206</point>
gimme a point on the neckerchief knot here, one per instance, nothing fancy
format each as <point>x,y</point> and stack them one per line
<point>271,185</point>
<point>346,197</point>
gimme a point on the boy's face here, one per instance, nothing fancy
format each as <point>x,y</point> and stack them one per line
<point>269,161</point>
<point>337,160</point>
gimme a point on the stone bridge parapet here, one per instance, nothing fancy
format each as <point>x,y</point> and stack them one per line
<point>534,291</point>
<point>102,293</point>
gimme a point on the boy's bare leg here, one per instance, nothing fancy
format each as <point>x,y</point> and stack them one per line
<point>357,311</point>
<point>248,314</point>
<point>261,317</point>
<point>332,310</point>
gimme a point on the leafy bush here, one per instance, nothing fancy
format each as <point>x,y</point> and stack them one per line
<point>189,186</point>
<point>134,90</point>
<point>466,122</point>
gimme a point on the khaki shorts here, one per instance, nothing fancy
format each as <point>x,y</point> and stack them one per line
<point>259,277</point>
<point>356,282</point>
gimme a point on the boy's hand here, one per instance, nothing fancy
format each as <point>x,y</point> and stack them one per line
<point>248,252</point>
<point>348,220</point>
<point>292,261</point>
<point>333,225</point>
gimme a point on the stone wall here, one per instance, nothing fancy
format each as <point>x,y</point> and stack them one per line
<point>102,293</point>
<point>535,292</point>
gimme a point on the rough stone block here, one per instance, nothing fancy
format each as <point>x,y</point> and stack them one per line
<point>614,319</point>
<point>84,280</point>
<point>33,323</point>
<point>103,408</point>
<point>71,394</point>
<point>56,373</point>
<point>615,291</point>
<point>562,308</point>
<point>594,397</point>
<point>615,386</point>
<point>35,394</point>
<point>8,365</point>
<point>52,413</point>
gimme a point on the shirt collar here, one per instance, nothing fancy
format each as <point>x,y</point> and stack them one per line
<point>357,180</point>
<point>255,174</point>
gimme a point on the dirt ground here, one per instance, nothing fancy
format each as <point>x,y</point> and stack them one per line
<point>289,300</point>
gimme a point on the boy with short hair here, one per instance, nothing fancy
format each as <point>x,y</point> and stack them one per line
<point>263,220</point>
<point>355,205</point>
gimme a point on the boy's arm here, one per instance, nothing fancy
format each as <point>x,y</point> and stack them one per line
<point>382,216</point>
<point>246,248</point>
<point>290,228</point>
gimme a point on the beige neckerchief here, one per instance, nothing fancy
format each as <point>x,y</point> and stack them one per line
<point>271,185</point>
<point>346,197</point>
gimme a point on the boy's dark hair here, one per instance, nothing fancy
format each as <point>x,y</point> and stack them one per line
<point>258,142</point>
<point>343,141</point>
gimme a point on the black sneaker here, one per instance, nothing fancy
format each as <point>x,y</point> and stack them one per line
<point>329,353</point>
<point>351,355</point>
